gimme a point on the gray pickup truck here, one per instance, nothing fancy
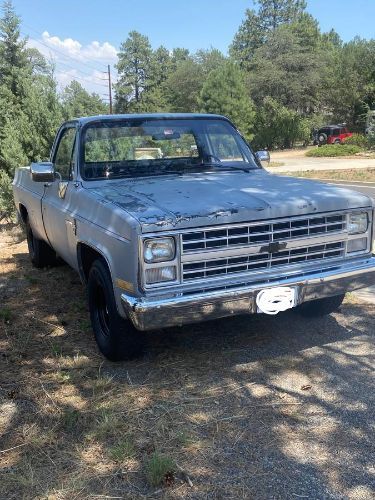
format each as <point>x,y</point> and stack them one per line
<point>171,219</point>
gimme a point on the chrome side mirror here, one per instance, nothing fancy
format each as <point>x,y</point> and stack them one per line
<point>263,157</point>
<point>42,172</point>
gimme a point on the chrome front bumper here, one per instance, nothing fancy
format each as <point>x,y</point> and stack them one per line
<point>152,313</point>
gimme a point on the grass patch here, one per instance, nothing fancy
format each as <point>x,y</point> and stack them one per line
<point>274,164</point>
<point>122,450</point>
<point>333,150</point>
<point>364,175</point>
<point>70,419</point>
<point>159,469</point>
<point>5,315</point>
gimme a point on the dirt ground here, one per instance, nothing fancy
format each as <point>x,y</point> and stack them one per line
<point>294,160</point>
<point>251,407</point>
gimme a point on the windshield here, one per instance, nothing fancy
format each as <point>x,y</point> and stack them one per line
<point>152,146</point>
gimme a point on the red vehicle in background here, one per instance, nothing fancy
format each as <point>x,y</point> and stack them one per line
<point>331,134</point>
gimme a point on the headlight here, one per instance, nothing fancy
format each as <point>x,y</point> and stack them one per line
<point>358,223</point>
<point>357,245</point>
<point>159,250</point>
<point>160,274</point>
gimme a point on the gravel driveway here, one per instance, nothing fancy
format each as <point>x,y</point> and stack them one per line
<point>295,160</point>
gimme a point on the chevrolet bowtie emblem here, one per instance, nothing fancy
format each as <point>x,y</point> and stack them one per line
<point>274,247</point>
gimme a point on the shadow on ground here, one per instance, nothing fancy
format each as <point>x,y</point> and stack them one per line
<point>248,407</point>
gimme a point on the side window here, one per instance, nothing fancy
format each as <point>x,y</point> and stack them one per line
<point>223,144</point>
<point>63,158</point>
<point>336,132</point>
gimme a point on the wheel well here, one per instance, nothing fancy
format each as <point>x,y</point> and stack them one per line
<point>86,257</point>
<point>23,213</point>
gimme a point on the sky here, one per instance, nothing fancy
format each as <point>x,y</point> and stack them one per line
<point>83,36</point>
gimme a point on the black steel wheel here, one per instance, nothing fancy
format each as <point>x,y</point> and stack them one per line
<point>116,337</point>
<point>41,254</point>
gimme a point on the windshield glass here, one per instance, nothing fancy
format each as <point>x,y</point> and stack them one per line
<point>146,147</point>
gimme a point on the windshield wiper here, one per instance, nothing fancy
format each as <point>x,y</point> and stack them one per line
<point>222,166</point>
<point>219,164</point>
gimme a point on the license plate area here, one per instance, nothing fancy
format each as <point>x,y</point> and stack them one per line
<point>277,299</point>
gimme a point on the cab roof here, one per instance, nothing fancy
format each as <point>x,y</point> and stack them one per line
<point>143,116</point>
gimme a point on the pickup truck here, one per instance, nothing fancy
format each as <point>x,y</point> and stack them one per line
<point>198,231</point>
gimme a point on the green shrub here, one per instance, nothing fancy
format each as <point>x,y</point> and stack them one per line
<point>359,140</point>
<point>332,150</point>
<point>279,127</point>
<point>7,208</point>
<point>159,468</point>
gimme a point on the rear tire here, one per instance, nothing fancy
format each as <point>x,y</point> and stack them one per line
<point>322,138</point>
<point>320,307</point>
<point>116,337</point>
<point>41,254</point>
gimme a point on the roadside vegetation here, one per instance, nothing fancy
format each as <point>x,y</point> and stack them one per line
<point>283,77</point>
<point>332,150</point>
<point>357,143</point>
<point>360,175</point>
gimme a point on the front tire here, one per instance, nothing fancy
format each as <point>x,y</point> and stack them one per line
<point>116,337</point>
<point>41,254</point>
<point>320,307</point>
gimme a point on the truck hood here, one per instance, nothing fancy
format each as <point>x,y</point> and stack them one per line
<point>202,199</point>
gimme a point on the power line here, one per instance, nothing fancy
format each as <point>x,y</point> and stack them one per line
<point>66,56</point>
<point>79,71</point>
<point>62,53</point>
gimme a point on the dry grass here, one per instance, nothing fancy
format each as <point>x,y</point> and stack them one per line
<point>213,411</point>
<point>364,175</point>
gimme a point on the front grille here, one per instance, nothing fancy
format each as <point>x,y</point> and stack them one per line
<point>257,234</point>
<point>261,261</point>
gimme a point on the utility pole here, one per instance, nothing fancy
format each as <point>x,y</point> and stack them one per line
<point>110,90</point>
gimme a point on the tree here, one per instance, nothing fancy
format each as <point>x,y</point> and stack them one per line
<point>161,66</point>
<point>183,86</point>
<point>179,55</point>
<point>13,56</point>
<point>29,107</point>
<point>278,126</point>
<point>289,68</point>
<point>259,24</point>
<point>274,13</point>
<point>224,92</point>
<point>350,81</point>
<point>209,59</point>
<point>134,70</point>
<point>76,102</point>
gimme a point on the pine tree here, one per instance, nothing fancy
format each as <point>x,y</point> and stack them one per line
<point>13,56</point>
<point>134,69</point>
<point>78,102</point>
<point>224,92</point>
<point>259,24</point>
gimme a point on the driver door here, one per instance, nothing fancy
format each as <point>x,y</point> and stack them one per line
<point>58,200</point>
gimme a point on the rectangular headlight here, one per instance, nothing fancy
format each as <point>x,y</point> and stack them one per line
<point>358,222</point>
<point>160,274</point>
<point>159,250</point>
<point>356,245</point>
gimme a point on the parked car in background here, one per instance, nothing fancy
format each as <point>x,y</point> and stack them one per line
<point>171,219</point>
<point>331,134</point>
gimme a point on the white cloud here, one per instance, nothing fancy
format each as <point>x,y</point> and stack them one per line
<point>73,48</point>
<point>73,60</point>
<point>105,51</point>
